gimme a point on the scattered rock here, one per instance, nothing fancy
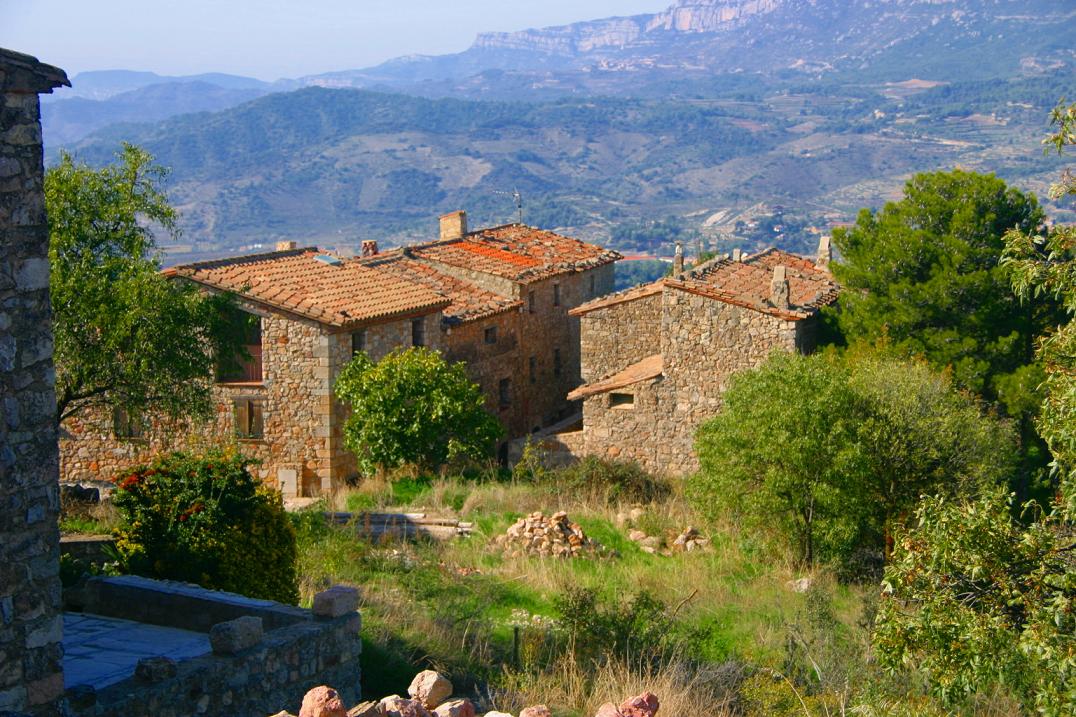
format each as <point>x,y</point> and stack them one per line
<point>155,669</point>
<point>228,638</point>
<point>497,714</point>
<point>366,709</point>
<point>455,708</point>
<point>637,536</point>
<point>554,536</point>
<point>430,688</point>
<point>322,701</point>
<point>396,706</point>
<point>536,711</point>
<point>636,513</point>
<point>801,585</point>
<point>689,540</point>
<point>644,705</point>
<point>607,710</point>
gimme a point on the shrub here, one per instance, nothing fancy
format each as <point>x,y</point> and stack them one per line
<point>636,628</point>
<point>618,480</point>
<point>207,520</point>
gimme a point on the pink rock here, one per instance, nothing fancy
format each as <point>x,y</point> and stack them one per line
<point>399,707</point>
<point>366,709</point>
<point>430,688</point>
<point>536,711</point>
<point>322,701</point>
<point>645,705</point>
<point>608,710</point>
<point>455,708</point>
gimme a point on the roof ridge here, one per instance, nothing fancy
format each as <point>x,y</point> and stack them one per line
<point>242,258</point>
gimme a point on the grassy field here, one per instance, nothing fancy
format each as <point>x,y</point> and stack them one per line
<point>454,606</point>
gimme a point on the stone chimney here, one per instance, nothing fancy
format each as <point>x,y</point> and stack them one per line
<point>779,288</point>
<point>825,253</point>
<point>454,225</point>
<point>285,245</point>
<point>678,259</point>
<point>369,247</point>
<point>737,254</point>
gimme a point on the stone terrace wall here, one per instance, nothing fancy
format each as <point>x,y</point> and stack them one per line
<point>619,335</point>
<point>30,625</point>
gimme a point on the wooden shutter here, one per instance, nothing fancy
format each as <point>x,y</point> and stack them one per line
<point>242,418</point>
<point>257,419</point>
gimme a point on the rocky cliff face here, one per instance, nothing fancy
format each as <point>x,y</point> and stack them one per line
<point>710,15</point>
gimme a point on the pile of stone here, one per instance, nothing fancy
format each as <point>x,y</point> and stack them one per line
<point>689,540</point>
<point>429,696</point>
<point>555,536</point>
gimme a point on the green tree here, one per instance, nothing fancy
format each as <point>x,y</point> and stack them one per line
<point>830,452</point>
<point>923,278</point>
<point>125,335</point>
<point>1043,269</point>
<point>413,407</point>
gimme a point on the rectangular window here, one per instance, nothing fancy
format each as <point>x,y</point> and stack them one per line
<point>556,362</point>
<point>249,418</point>
<point>128,423</point>
<point>530,302</point>
<point>622,400</point>
<point>556,294</point>
<point>246,366</point>
<point>504,392</point>
<point>491,335</point>
<point>533,363</point>
<point>418,333</point>
<point>592,285</point>
<point>358,342</point>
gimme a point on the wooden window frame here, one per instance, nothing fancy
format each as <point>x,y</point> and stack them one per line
<point>249,413</point>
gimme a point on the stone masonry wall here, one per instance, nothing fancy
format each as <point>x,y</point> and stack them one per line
<point>703,342</point>
<point>489,364</point>
<point>619,335</point>
<point>31,677</point>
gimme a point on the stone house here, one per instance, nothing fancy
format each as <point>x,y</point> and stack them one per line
<point>31,670</point>
<point>497,299</point>
<point>656,359</point>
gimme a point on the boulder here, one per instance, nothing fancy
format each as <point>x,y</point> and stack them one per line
<point>337,601</point>
<point>536,711</point>
<point>636,536</point>
<point>455,708</point>
<point>644,705</point>
<point>322,701</point>
<point>396,706</point>
<point>366,709</point>
<point>430,688</point>
<point>801,585</point>
<point>608,710</point>
<point>228,638</point>
<point>497,714</point>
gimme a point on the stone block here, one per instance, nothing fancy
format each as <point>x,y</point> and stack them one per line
<point>228,638</point>
<point>431,688</point>
<point>155,669</point>
<point>336,601</point>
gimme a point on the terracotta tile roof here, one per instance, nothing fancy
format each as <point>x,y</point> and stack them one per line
<point>620,297</point>
<point>517,252</point>
<point>338,293</point>
<point>650,367</point>
<point>468,301</point>
<point>747,283</point>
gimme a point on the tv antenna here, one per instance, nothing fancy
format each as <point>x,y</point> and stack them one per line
<point>518,198</point>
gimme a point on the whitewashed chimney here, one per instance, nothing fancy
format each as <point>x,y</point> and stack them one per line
<point>369,247</point>
<point>285,245</point>
<point>825,253</point>
<point>779,288</point>
<point>678,259</point>
<point>737,254</point>
<point>454,225</point>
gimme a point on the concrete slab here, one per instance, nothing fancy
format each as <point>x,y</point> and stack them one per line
<point>101,651</point>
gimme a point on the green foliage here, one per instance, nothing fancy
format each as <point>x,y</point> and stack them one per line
<point>207,520</point>
<point>125,335</point>
<point>413,407</point>
<point>923,274</point>
<point>828,452</point>
<point>617,481</point>
<point>598,628</point>
<point>976,601</point>
<point>643,271</point>
<point>1043,267</point>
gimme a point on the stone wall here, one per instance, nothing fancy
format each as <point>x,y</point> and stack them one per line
<point>617,336</point>
<point>490,363</point>
<point>31,679</point>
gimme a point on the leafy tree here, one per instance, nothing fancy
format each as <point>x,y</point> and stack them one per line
<point>923,277</point>
<point>830,452</point>
<point>413,407</point>
<point>973,598</point>
<point>125,335</point>
<point>1043,268</point>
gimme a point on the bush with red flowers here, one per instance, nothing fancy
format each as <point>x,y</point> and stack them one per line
<point>207,520</point>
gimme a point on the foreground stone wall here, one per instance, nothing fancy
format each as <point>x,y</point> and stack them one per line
<point>30,625</point>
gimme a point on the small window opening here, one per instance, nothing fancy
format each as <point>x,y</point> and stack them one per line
<point>533,365</point>
<point>490,335</point>
<point>418,333</point>
<point>249,418</point>
<point>531,302</point>
<point>504,392</point>
<point>592,285</point>
<point>556,294</point>
<point>358,342</point>
<point>557,364</point>
<point>622,400</point>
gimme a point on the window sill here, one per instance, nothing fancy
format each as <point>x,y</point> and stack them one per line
<point>256,441</point>
<point>242,384</point>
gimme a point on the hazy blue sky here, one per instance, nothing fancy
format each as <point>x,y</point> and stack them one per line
<point>271,38</point>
